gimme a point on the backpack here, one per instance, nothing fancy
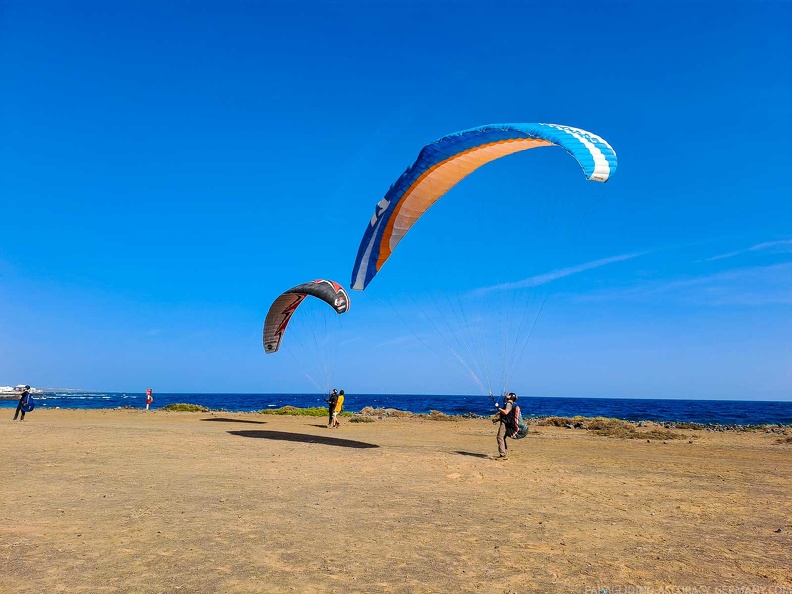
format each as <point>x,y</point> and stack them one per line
<point>27,403</point>
<point>516,427</point>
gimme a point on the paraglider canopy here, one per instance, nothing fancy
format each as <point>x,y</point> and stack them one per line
<point>443,163</point>
<point>283,308</point>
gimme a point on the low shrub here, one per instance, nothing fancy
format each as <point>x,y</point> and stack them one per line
<point>609,427</point>
<point>184,407</point>
<point>436,415</point>
<point>317,411</point>
<point>384,412</point>
<point>558,421</point>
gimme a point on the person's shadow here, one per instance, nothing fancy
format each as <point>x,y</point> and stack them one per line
<point>473,454</point>
<point>303,438</point>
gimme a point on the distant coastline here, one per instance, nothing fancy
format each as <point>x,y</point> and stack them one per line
<point>13,392</point>
<point>702,412</point>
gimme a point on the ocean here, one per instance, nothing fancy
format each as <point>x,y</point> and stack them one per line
<point>721,412</point>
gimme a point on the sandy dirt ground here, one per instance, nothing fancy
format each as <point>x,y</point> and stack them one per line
<point>129,501</point>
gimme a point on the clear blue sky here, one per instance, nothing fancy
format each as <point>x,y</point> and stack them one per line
<point>168,168</point>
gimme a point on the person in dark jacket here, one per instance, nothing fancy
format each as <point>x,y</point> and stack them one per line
<point>22,401</point>
<point>331,404</point>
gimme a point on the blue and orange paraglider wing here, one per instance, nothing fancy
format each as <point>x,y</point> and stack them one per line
<point>283,308</point>
<point>445,162</point>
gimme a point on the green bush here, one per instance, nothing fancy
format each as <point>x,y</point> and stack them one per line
<point>317,411</point>
<point>293,410</point>
<point>184,407</point>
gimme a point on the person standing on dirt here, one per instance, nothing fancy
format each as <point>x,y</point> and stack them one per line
<point>504,420</point>
<point>339,406</point>
<point>23,401</point>
<point>331,404</point>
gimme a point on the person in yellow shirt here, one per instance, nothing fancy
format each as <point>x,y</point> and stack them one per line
<point>338,408</point>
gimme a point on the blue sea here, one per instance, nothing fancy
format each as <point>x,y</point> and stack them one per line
<point>722,412</point>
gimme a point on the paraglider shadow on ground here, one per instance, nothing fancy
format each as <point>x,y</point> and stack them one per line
<point>227,420</point>
<point>304,438</point>
<point>474,454</point>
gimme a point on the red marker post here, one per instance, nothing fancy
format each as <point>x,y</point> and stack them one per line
<point>149,398</point>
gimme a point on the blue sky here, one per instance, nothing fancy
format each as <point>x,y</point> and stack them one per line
<point>167,171</point>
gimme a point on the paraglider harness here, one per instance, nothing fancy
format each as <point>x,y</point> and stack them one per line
<point>27,402</point>
<point>516,427</point>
